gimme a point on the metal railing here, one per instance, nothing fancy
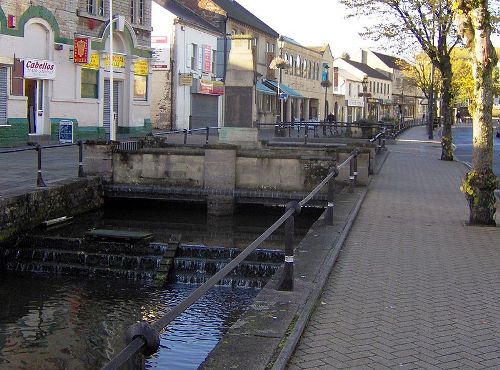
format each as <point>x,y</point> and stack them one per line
<point>144,338</point>
<point>187,132</point>
<point>38,148</point>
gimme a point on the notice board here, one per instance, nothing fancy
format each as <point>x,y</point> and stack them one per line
<point>66,131</point>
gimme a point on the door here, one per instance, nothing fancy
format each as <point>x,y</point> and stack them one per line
<point>204,111</point>
<point>116,104</point>
<point>40,104</point>
<point>35,113</point>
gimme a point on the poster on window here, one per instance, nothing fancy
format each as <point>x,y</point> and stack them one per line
<point>207,59</point>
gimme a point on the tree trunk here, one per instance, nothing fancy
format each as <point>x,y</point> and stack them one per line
<point>481,180</point>
<point>447,113</point>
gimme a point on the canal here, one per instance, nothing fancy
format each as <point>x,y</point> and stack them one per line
<point>67,322</point>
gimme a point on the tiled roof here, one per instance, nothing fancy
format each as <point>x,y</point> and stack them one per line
<point>188,15</point>
<point>389,61</point>
<point>369,71</point>
<point>237,12</point>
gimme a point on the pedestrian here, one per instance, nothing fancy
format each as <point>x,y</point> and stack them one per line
<point>331,119</point>
<point>458,117</point>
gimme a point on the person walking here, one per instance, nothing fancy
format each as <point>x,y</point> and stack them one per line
<point>458,117</point>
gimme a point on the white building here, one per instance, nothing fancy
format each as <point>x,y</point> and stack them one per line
<point>195,89</point>
<point>349,86</point>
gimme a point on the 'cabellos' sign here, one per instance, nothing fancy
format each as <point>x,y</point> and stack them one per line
<point>39,69</point>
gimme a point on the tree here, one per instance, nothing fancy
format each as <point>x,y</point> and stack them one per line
<point>474,19</point>
<point>430,22</point>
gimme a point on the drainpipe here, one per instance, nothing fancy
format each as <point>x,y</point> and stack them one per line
<point>172,92</point>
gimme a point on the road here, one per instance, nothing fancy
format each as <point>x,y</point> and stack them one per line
<point>462,138</point>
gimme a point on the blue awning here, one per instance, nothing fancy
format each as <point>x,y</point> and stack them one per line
<point>263,89</point>
<point>283,88</point>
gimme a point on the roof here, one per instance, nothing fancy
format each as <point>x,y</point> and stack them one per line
<point>264,89</point>
<point>389,61</point>
<point>369,71</point>
<point>237,12</point>
<point>188,15</point>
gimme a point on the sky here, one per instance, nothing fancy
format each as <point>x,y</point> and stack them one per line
<point>311,22</point>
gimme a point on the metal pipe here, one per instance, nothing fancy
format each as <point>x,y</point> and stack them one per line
<point>80,159</point>
<point>331,188</point>
<point>39,180</point>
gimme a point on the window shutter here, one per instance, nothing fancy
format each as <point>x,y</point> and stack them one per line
<point>189,54</point>
<point>220,60</point>
<point>17,82</point>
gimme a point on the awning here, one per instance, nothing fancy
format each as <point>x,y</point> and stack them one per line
<point>263,89</point>
<point>283,88</point>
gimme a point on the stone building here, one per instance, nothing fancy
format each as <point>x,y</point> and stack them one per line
<point>44,78</point>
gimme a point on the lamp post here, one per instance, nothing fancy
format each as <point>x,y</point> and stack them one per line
<point>112,128</point>
<point>365,94</point>
<point>281,43</point>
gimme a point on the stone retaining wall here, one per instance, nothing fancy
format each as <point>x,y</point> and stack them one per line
<point>21,213</point>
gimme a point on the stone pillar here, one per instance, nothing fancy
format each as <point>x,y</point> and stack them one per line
<point>298,113</point>
<point>288,113</point>
<point>305,113</point>
<point>98,158</point>
<point>219,180</point>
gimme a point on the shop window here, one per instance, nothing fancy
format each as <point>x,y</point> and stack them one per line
<point>17,82</point>
<point>140,87</point>
<point>268,103</point>
<point>89,83</point>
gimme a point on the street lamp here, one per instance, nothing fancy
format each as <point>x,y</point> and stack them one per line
<point>326,83</point>
<point>281,43</point>
<point>365,94</point>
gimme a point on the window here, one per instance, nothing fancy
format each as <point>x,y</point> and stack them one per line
<point>17,82</point>
<point>371,87</point>
<point>350,89</point>
<point>140,87</point>
<point>89,83</point>
<point>194,56</point>
<point>136,11</point>
<point>95,7</point>
<point>214,61</point>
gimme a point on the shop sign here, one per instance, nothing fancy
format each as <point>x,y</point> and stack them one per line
<point>93,62</point>
<point>207,59</point>
<point>81,50</point>
<point>185,79</point>
<point>39,69</point>
<point>387,101</point>
<point>119,61</point>
<point>355,102</point>
<point>141,67</point>
<point>211,87</point>
<point>161,52</point>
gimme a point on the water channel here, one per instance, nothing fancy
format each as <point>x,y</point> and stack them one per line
<point>65,322</point>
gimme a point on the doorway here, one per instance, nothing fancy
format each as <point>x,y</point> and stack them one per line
<point>116,104</point>
<point>35,109</point>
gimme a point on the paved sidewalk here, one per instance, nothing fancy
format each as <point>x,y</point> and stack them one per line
<point>414,287</point>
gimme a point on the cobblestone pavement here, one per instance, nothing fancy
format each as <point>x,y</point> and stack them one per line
<point>414,287</point>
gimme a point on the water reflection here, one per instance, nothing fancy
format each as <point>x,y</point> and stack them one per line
<point>67,323</point>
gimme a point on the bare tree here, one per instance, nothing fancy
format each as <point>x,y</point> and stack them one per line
<point>430,22</point>
<point>475,21</point>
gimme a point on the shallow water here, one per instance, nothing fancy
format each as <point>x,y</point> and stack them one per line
<point>69,323</point>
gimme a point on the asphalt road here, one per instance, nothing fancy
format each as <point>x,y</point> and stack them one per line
<point>462,138</point>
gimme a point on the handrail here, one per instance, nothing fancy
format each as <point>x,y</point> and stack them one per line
<point>189,131</point>
<point>39,148</point>
<point>144,337</point>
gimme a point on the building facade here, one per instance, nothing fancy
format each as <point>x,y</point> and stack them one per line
<point>54,66</point>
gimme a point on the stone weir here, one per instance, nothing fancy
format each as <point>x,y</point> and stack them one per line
<point>99,253</point>
<point>133,256</point>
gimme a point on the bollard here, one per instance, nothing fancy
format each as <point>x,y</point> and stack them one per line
<point>287,278</point>
<point>383,144</point>
<point>185,136</point>
<point>355,165</point>
<point>329,209</point>
<point>379,145</point>
<point>298,131</point>
<point>352,177</point>
<point>289,130</point>
<point>208,134</point>
<point>39,179</point>
<point>80,159</point>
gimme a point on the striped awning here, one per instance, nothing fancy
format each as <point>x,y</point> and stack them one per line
<point>263,89</point>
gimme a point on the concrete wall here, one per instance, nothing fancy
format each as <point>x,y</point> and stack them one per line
<point>24,212</point>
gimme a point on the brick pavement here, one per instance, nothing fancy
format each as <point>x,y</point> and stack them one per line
<point>414,287</point>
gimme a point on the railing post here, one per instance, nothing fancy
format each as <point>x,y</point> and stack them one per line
<point>331,194</point>
<point>379,145</point>
<point>355,165</point>
<point>383,144</point>
<point>39,179</point>
<point>298,130</point>
<point>287,278</point>
<point>352,170</point>
<point>208,134</point>
<point>306,133</point>
<point>289,130</point>
<point>185,136</point>
<point>80,159</point>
